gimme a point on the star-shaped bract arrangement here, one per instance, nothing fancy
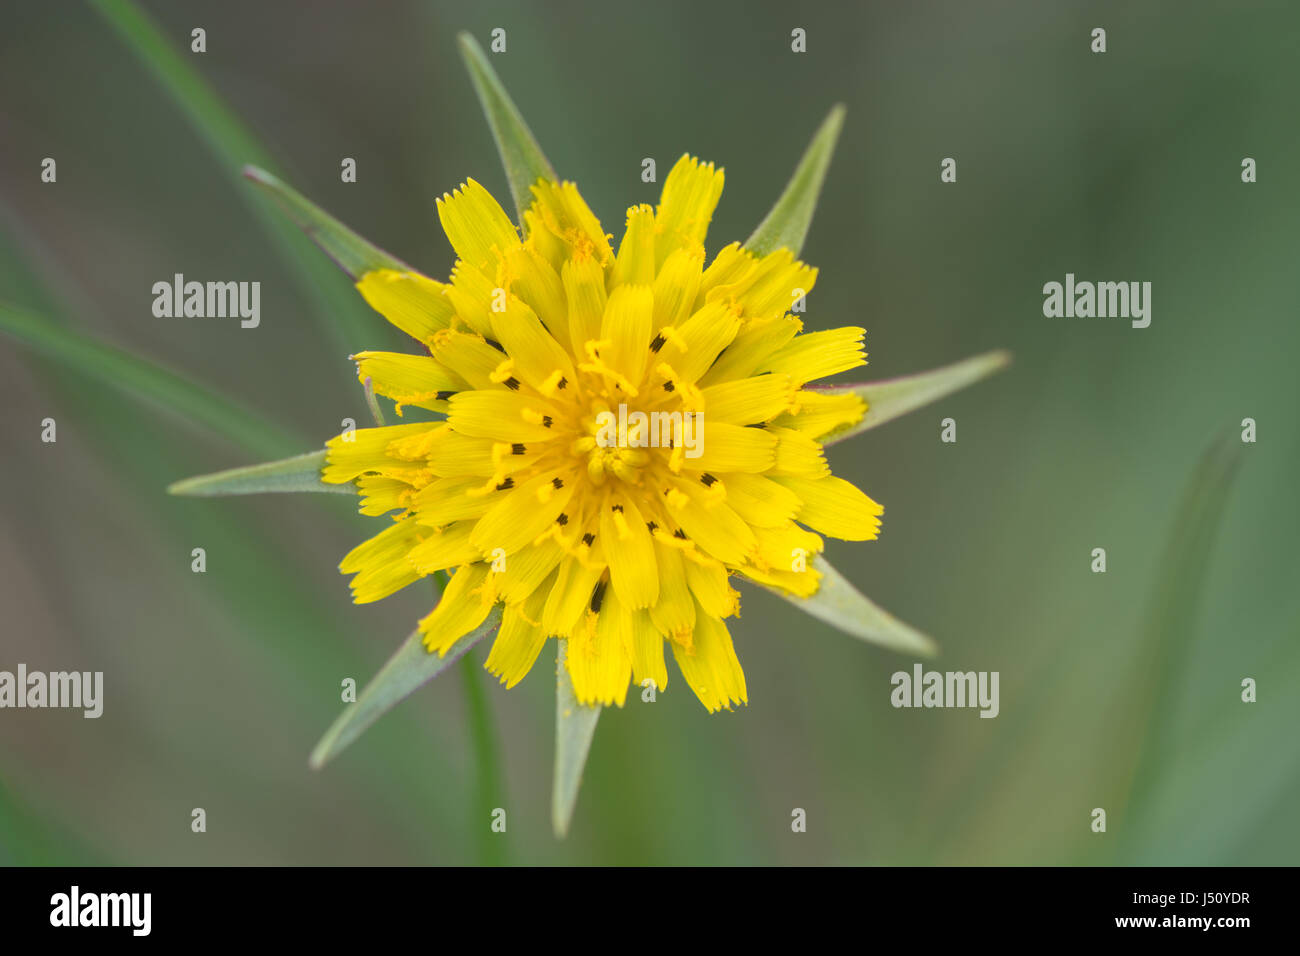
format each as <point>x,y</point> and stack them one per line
<point>549,530</point>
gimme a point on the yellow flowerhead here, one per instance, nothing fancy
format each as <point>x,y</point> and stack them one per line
<point>625,431</point>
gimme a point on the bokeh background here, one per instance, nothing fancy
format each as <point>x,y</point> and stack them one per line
<point>1118,690</point>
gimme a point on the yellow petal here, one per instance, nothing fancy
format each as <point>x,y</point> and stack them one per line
<point>674,612</point>
<point>815,355</point>
<point>412,302</point>
<point>521,515</point>
<point>518,642</point>
<point>408,379</point>
<point>379,566</point>
<point>506,416</point>
<point>708,582</point>
<point>835,507</point>
<point>748,401</point>
<point>380,494</point>
<point>761,501</point>
<point>710,522</point>
<point>464,606</point>
<point>444,548</point>
<point>755,342</point>
<point>525,571</point>
<point>535,281</point>
<point>597,658</point>
<point>469,356</point>
<point>727,447</point>
<point>625,329</point>
<point>821,413</point>
<point>636,253</point>
<point>691,193</point>
<point>690,348</point>
<point>676,286</point>
<point>565,213</point>
<point>538,358</point>
<point>571,597</point>
<point>797,454</point>
<point>584,287</point>
<point>365,450</point>
<point>630,552</point>
<point>710,665</point>
<point>479,229</point>
<point>646,648</point>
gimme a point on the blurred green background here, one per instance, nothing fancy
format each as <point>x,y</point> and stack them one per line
<point>1121,166</point>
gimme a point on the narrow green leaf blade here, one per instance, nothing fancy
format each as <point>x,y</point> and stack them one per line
<point>144,379</point>
<point>889,399</point>
<point>523,159</point>
<point>575,725</point>
<point>840,604</point>
<point>1173,615</point>
<point>351,253</point>
<point>406,671</point>
<point>233,145</point>
<point>786,226</point>
<point>299,473</point>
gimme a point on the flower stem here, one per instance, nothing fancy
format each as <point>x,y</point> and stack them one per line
<point>489,788</point>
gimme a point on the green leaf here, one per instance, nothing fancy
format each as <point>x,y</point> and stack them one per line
<point>840,604</point>
<point>522,157</point>
<point>406,671</point>
<point>575,725</point>
<point>145,379</point>
<point>786,226</point>
<point>897,396</point>
<point>233,145</point>
<point>299,473</point>
<point>351,253</point>
<point>1174,611</point>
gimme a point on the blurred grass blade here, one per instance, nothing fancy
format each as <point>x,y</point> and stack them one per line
<point>299,473</point>
<point>786,226</point>
<point>522,157</point>
<point>376,412</point>
<point>351,253</point>
<point>840,604</point>
<point>889,399</point>
<point>234,147</point>
<point>574,727</point>
<point>145,379</point>
<point>406,671</point>
<point>1161,665</point>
